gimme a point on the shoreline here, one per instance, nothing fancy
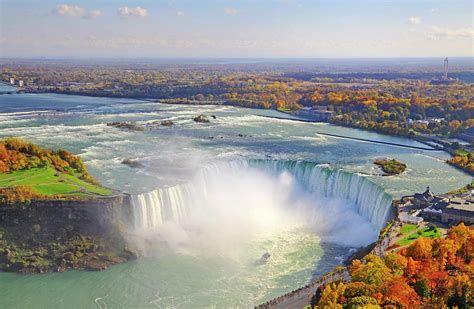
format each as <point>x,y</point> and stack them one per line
<point>151,100</point>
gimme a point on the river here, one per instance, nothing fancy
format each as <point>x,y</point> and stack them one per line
<point>210,199</point>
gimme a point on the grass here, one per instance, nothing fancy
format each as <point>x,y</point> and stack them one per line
<point>462,152</point>
<point>285,110</point>
<point>426,232</point>
<point>407,229</point>
<point>47,181</point>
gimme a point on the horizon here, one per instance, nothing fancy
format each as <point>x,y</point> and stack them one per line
<point>241,29</point>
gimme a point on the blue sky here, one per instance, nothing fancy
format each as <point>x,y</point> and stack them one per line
<point>237,28</point>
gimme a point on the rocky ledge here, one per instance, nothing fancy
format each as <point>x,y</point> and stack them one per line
<point>201,118</point>
<point>59,235</point>
<point>126,125</point>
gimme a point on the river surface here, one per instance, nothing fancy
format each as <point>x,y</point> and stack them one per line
<point>211,198</point>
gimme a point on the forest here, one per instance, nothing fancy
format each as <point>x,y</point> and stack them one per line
<point>400,101</point>
<point>430,273</point>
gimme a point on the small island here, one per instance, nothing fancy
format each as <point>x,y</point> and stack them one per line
<point>54,215</point>
<point>391,166</point>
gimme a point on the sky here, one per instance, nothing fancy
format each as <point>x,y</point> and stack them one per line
<point>237,28</point>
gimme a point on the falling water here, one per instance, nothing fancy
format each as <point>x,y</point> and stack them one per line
<point>173,204</point>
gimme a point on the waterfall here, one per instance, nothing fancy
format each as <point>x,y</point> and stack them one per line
<point>172,204</point>
<point>371,200</point>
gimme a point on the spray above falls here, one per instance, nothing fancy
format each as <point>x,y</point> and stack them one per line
<point>252,197</point>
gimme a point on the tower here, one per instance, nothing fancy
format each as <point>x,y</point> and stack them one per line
<point>445,76</point>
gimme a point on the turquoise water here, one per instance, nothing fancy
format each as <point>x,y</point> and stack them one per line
<point>199,272</point>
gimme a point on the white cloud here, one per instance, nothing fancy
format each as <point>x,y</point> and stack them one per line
<point>441,32</point>
<point>414,20</point>
<point>94,14</point>
<point>230,10</point>
<point>126,11</point>
<point>180,13</point>
<point>76,11</point>
<point>69,10</point>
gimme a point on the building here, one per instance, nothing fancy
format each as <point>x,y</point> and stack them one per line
<point>426,121</point>
<point>317,113</point>
<point>459,210</point>
<point>425,199</point>
<point>21,83</point>
<point>406,218</point>
<point>444,80</point>
<point>435,119</point>
<point>451,209</point>
<point>12,81</point>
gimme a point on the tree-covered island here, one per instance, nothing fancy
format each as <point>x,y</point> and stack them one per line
<point>391,166</point>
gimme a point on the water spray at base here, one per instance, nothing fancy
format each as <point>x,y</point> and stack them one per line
<point>229,204</point>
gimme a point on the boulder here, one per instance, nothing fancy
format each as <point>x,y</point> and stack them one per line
<point>129,254</point>
<point>68,256</point>
<point>132,163</point>
<point>201,118</point>
<point>36,228</point>
<point>126,125</point>
<point>167,123</point>
<point>96,265</point>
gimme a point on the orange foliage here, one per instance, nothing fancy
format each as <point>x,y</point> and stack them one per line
<point>16,154</point>
<point>429,273</point>
<point>398,292</point>
<point>18,194</point>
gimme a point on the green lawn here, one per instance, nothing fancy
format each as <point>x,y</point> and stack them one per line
<point>426,232</point>
<point>462,152</point>
<point>407,229</point>
<point>47,181</point>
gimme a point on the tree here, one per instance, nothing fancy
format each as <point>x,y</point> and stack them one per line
<point>331,294</point>
<point>420,249</point>
<point>374,271</point>
<point>462,293</point>
<point>396,262</point>
<point>422,288</point>
<point>398,292</point>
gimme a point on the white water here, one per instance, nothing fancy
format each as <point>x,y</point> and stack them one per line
<point>237,200</point>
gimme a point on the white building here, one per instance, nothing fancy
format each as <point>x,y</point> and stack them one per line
<point>405,218</point>
<point>21,83</point>
<point>12,81</point>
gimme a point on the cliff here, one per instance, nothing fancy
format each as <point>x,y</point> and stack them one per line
<point>46,235</point>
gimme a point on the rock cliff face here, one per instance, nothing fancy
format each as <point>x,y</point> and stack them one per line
<point>56,235</point>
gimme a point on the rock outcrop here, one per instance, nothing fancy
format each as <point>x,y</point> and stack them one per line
<point>126,125</point>
<point>55,235</point>
<point>132,163</point>
<point>201,118</point>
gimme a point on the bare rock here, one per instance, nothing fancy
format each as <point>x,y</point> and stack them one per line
<point>201,118</point>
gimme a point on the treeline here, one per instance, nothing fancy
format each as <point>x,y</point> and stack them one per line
<point>465,162</point>
<point>428,274</point>
<point>351,77</point>
<point>17,154</point>
<point>397,105</point>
